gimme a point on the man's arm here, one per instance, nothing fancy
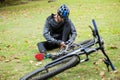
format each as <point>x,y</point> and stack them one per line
<point>73,33</point>
<point>47,35</point>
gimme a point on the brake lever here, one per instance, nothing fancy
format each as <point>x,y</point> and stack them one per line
<point>91,28</point>
<point>93,31</point>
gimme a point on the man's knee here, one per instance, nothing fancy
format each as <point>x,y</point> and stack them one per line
<point>41,47</point>
<point>40,44</point>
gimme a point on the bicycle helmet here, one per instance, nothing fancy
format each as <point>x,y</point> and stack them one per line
<point>63,11</point>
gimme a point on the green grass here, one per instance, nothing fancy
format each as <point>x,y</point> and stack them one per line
<point>21,29</point>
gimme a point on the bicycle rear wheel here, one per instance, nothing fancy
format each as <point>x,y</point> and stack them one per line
<point>51,70</point>
<point>87,43</point>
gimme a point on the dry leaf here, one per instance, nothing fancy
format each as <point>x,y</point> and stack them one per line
<point>18,61</point>
<point>16,57</point>
<point>113,47</point>
<point>78,76</point>
<point>102,73</point>
<point>55,78</point>
<point>38,63</point>
<point>26,41</point>
<point>95,63</point>
<point>98,62</point>
<point>8,60</point>
<point>8,46</point>
<point>31,61</point>
<point>2,58</point>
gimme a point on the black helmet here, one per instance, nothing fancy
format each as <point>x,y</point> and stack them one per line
<point>63,11</point>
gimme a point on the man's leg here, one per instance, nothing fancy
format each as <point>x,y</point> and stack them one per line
<point>41,47</point>
<point>44,46</point>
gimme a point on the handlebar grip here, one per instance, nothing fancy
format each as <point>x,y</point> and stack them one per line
<point>94,24</point>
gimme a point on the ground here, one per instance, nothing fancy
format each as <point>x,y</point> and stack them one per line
<point>21,28</point>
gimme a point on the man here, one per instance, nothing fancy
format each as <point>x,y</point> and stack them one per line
<point>58,31</point>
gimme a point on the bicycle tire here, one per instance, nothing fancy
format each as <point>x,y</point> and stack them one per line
<point>55,69</point>
<point>87,42</point>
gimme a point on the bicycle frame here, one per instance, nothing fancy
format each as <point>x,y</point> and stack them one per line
<point>86,50</point>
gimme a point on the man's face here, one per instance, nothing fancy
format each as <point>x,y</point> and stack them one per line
<point>59,18</point>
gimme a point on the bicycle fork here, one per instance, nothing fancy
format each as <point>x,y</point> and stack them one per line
<point>107,61</point>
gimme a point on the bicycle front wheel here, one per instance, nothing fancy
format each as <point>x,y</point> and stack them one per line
<point>49,71</point>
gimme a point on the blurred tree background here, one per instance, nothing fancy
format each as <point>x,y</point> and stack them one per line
<point>4,3</point>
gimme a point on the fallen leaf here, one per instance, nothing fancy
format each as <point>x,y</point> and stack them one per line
<point>78,76</point>
<point>8,46</point>
<point>100,60</point>
<point>102,73</point>
<point>95,63</point>
<point>18,61</point>
<point>55,78</point>
<point>109,79</point>
<point>8,60</point>
<point>31,61</point>
<point>25,14</point>
<point>38,63</point>
<point>16,57</point>
<point>2,58</point>
<point>113,47</point>
<point>26,41</point>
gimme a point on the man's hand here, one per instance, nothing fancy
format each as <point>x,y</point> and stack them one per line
<point>62,45</point>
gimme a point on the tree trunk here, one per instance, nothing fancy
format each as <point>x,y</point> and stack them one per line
<point>2,1</point>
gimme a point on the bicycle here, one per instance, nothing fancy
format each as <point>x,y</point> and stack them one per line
<point>70,57</point>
